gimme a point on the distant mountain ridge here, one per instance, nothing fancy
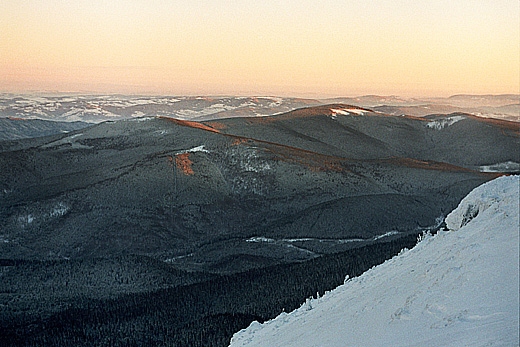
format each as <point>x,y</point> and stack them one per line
<point>358,133</point>
<point>20,128</point>
<point>98,108</point>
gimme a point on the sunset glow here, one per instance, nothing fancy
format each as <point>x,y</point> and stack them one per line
<point>286,48</point>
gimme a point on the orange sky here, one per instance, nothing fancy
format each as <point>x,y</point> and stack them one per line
<point>245,47</point>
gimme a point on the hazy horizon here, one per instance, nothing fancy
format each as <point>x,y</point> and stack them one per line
<point>151,94</point>
<point>279,48</point>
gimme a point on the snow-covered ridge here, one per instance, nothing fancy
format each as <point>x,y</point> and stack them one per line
<point>457,288</point>
<point>99,108</point>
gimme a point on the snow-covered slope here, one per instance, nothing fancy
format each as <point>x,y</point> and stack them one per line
<point>457,288</point>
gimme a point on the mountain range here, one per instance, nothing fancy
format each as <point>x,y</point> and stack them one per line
<point>119,215</point>
<point>99,108</point>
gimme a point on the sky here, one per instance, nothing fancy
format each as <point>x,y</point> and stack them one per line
<point>299,48</point>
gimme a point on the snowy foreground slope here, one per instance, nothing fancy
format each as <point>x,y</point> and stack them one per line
<point>458,288</point>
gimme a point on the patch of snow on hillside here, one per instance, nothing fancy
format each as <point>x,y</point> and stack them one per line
<point>457,288</point>
<point>143,101</point>
<point>43,214</point>
<point>260,239</point>
<point>25,220</point>
<point>347,112</point>
<point>73,111</point>
<point>356,111</point>
<point>138,114</point>
<point>390,233</point>
<point>274,99</point>
<point>508,166</point>
<point>59,210</point>
<point>440,124</point>
<point>140,119</point>
<point>194,149</point>
<point>210,110</point>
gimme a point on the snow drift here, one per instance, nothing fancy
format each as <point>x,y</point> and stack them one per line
<point>457,288</point>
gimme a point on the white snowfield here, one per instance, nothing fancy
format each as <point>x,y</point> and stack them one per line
<point>440,124</point>
<point>348,111</point>
<point>457,288</point>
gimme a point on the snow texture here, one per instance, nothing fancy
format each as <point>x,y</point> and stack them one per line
<point>440,124</point>
<point>508,166</point>
<point>99,108</point>
<point>457,288</point>
<point>347,112</point>
<point>194,149</point>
